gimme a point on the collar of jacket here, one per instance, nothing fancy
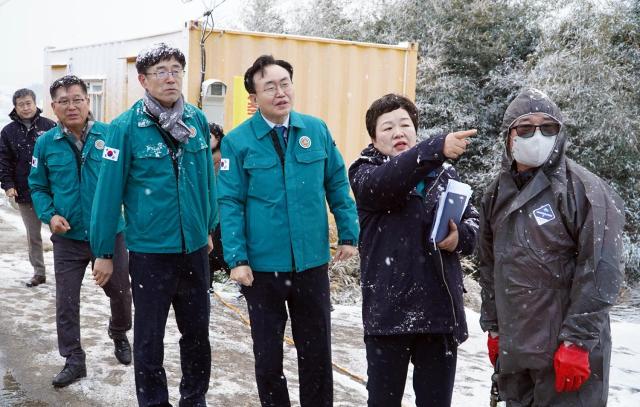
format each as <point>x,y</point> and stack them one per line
<point>261,128</point>
<point>143,119</point>
<point>373,155</point>
<point>59,133</point>
<point>14,115</point>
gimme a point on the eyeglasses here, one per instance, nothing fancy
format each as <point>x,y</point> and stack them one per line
<point>547,129</point>
<point>162,75</point>
<point>272,88</point>
<point>76,102</point>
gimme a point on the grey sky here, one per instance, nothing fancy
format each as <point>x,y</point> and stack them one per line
<point>28,26</point>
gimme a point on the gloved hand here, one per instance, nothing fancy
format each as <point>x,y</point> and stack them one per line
<point>494,348</point>
<point>571,364</point>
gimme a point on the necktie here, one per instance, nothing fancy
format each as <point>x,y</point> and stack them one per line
<point>282,132</point>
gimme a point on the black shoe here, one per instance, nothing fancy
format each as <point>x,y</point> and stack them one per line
<point>69,374</point>
<point>122,350</point>
<point>36,281</point>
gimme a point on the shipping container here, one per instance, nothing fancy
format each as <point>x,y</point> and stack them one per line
<point>333,79</point>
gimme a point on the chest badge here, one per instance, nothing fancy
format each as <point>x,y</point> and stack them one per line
<point>99,144</point>
<point>305,142</point>
<point>192,132</point>
<point>543,214</point>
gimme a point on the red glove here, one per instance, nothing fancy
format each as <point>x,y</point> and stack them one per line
<point>572,367</point>
<point>494,348</point>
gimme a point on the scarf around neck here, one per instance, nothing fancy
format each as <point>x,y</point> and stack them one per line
<point>170,119</point>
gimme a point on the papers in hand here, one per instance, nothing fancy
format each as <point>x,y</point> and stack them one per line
<point>451,205</point>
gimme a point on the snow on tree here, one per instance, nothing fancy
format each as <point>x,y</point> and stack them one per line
<point>261,16</point>
<point>588,61</point>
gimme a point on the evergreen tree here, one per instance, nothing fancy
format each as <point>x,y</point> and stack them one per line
<point>261,16</point>
<point>325,18</point>
<point>588,62</point>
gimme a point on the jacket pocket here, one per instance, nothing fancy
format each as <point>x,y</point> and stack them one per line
<point>154,176</point>
<point>264,177</point>
<point>310,169</point>
<point>152,160</point>
<point>310,156</point>
<point>194,161</point>
<point>62,169</point>
<point>95,154</point>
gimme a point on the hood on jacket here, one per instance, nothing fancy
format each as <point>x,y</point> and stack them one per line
<point>14,115</point>
<point>527,102</point>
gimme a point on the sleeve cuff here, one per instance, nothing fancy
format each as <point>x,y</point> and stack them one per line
<point>346,242</point>
<point>240,263</point>
<point>46,219</point>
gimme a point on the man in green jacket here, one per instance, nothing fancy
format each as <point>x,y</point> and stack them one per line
<point>158,164</point>
<point>65,165</point>
<point>278,171</point>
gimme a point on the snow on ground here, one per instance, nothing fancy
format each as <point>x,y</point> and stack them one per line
<point>28,347</point>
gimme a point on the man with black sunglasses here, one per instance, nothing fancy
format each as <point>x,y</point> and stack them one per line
<point>550,264</point>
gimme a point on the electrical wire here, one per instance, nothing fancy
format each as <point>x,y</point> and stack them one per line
<point>207,30</point>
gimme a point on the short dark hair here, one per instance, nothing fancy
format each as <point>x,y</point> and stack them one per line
<point>259,65</point>
<point>20,93</point>
<point>158,52</point>
<point>66,82</point>
<point>217,132</point>
<point>389,103</point>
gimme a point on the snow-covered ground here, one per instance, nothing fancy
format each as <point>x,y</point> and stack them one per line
<point>28,347</point>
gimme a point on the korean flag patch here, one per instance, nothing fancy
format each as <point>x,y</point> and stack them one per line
<point>543,214</point>
<point>224,164</point>
<point>111,153</point>
<point>34,162</point>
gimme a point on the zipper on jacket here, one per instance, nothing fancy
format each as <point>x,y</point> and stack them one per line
<point>276,145</point>
<point>80,164</point>
<point>174,153</point>
<point>77,155</point>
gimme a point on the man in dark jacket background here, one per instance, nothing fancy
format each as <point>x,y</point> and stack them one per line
<point>412,306</point>
<point>550,265</point>
<point>16,148</point>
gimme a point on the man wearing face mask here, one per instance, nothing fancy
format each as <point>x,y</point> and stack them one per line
<point>550,264</point>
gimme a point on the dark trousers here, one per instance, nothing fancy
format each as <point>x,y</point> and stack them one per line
<point>160,281</point>
<point>70,260</point>
<point>434,368</point>
<point>306,294</point>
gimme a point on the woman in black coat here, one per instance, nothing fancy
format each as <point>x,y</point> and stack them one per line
<point>412,289</point>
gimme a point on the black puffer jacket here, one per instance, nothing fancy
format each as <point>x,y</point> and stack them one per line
<point>16,150</point>
<point>408,286</point>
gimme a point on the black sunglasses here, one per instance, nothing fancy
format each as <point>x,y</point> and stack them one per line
<point>547,129</point>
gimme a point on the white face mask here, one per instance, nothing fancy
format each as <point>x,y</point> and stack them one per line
<point>533,151</point>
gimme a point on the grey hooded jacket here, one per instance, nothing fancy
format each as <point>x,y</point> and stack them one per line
<point>550,260</point>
